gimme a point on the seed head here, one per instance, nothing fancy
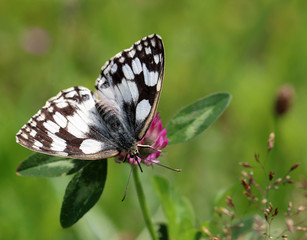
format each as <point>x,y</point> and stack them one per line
<point>284,100</point>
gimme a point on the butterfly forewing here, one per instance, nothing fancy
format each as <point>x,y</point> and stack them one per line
<point>79,124</point>
<point>69,126</point>
<point>132,81</point>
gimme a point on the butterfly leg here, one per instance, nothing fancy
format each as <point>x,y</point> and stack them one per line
<point>125,159</point>
<point>136,159</point>
<point>148,146</point>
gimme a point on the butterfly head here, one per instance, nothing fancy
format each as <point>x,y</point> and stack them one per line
<point>134,151</point>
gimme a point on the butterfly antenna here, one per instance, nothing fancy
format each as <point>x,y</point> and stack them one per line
<point>173,169</point>
<point>127,184</point>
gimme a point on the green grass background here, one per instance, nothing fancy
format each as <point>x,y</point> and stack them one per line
<point>247,48</point>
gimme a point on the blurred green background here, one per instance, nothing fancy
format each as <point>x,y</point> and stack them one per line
<point>247,48</point>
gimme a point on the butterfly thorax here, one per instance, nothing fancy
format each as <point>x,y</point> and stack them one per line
<point>115,129</point>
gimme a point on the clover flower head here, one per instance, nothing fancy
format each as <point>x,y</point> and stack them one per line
<point>155,138</point>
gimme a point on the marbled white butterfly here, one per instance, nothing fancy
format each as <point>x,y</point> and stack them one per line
<point>78,123</point>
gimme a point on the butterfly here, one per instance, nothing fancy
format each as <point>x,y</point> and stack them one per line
<point>78,123</point>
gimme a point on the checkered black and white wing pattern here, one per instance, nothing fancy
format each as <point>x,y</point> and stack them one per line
<point>69,125</point>
<point>130,84</point>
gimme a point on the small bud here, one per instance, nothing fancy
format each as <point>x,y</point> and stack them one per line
<point>290,181</point>
<point>244,174</point>
<point>218,211</point>
<point>277,181</point>
<point>206,231</point>
<point>245,185</point>
<point>264,201</point>
<point>246,194</point>
<point>266,216</point>
<point>284,100</point>
<point>289,223</point>
<point>289,209</point>
<point>229,202</point>
<point>300,209</point>
<point>226,211</point>
<point>270,207</point>
<point>294,166</point>
<point>275,212</point>
<point>271,141</point>
<point>244,164</point>
<point>271,175</point>
<point>301,228</point>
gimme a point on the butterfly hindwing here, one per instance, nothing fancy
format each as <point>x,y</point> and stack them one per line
<point>69,125</point>
<point>131,82</point>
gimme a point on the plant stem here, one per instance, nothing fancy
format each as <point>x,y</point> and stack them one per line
<point>143,204</point>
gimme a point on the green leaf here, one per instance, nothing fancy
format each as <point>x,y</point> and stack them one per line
<point>178,211</point>
<point>197,117</point>
<point>41,165</point>
<point>163,190</point>
<point>83,191</point>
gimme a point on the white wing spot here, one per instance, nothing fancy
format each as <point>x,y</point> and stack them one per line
<point>74,130</point>
<point>151,78</point>
<point>33,133</point>
<point>38,144</point>
<point>145,43</point>
<point>123,88</point>
<point>41,117</point>
<point>62,104</point>
<point>60,119</point>
<point>136,66</point>
<point>91,146</point>
<point>156,58</point>
<point>33,123</point>
<point>153,42</point>
<point>114,68</point>
<point>23,135</point>
<point>148,50</point>
<point>50,109</point>
<point>132,53</point>
<point>122,59</point>
<point>70,94</point>
<point>51,126</point>
<point>134,90</point>
<point>58,143</point>
<point>142,110</point>
<point>77,127</point>
<point>139,47</point>
<point>128,72</point>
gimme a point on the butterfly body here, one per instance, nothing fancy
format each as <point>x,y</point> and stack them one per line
<point>78,123</point>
